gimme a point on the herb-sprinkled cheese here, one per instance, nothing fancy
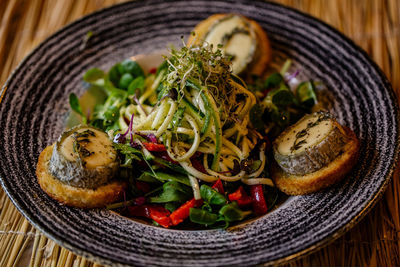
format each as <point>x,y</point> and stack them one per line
<point>236,39</point>
<point>84,157</point>
<point>306,133</point>
<point>310,144</point>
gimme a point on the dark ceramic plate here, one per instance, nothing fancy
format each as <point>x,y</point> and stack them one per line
<point>34,107</point>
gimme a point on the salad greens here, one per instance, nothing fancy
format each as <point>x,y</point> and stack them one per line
<point>192,137</point>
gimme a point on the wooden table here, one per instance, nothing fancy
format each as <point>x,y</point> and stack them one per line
<point>372,24</point>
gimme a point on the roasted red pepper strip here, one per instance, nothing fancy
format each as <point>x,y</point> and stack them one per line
<point>181,213</point>
<point>259,203</point>
<point>153,147</point>
<point>157,213</point>
<point>219,186</point>
<point>240,197</point>
<point>161,216</point>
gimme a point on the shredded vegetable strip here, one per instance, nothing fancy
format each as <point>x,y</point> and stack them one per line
<point>195,186</point>
<point>194,147</point>
<point>150,90</point>
<point>168,118</point>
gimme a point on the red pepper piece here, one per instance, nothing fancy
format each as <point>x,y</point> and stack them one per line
<point>181,213</point>
<point>153,70</point>
<point>219,186</point>
<point>259,203</point>
<point>240,197</point>
<point>154,147</point>
<point>157,213</point>
<point>160,215</point>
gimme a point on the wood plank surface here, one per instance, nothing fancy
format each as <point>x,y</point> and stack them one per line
<point>372,24</point>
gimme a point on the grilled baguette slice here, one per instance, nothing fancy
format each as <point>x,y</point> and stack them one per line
<point>76,196</point>
<point>258,50</point>
<point>330,159</point>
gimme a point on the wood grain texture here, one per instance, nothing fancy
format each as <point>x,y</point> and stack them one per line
<point>373,24</point>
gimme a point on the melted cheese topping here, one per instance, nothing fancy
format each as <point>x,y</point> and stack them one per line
<point>240,46</point>
<point>237,38</point>
<point>314,135</point>
<point>99,146</point>
<point>223,27</point>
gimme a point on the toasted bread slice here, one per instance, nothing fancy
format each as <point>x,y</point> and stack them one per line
<point>75,196</point>
<point>324,177</point>
<point>262,54</point>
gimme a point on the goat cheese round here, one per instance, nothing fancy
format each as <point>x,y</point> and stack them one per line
<point>236,39</point>
<point>84,157</point>
<point>310,144</point>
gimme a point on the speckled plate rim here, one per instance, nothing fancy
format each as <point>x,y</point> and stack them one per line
<point>302,253</point>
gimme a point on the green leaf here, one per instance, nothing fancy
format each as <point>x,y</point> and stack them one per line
<point>125,80</point>
<point>172,191</point>
<point>305,93</point>
<point>111,113</point>
<point>273,80</point>
<point>170,165</point>
<point>108,113</point>
<point>165,177</point>
<point>232,212</point>
<point>171,206</point>
<point>211,196</point>
<point>92,75</point>
<point>281,96</point>
<point>202,216</point>
<point>75,106</point>
<point>126,149</point>
<point>129,154</point>
<point>132,67</point>
<point>137,83</point>
<point>147,177</point>
<point>114,75</point>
